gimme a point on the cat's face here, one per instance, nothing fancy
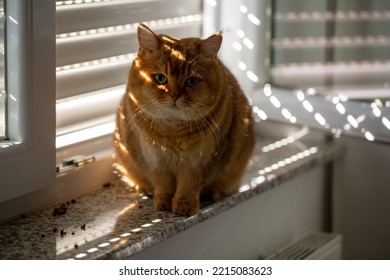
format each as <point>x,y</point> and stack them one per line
<point>176,79</point>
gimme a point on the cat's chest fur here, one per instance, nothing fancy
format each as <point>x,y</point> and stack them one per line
<point>179,151</point>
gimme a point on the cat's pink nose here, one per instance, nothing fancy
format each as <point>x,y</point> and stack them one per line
<point>174,96</point>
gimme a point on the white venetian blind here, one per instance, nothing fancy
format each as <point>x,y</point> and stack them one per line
<point>96,43</point>
<point>326,44</point>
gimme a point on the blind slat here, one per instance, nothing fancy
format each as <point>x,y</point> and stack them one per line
<point>348,74</point>
<point>88,108</point>
<point>77,49</point>
<point>87,79</point>
<point>346,49</point>
<point>103,14</point>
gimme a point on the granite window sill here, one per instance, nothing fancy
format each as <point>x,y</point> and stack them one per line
<point>115,223</point>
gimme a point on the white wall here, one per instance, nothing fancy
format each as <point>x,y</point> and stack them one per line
<point>362,200</point>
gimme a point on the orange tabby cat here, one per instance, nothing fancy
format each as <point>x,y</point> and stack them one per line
<point>184,127</point>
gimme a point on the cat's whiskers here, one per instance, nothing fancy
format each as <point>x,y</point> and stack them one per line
<point>140,113</point>
<point>214,127</point>
<point>142,108</point>
<point>189,120</point>
<point>203,110</point>
<point>201,114</point>
<point>193,118</point>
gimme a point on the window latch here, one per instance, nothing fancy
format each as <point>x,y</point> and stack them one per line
<point>76,161</point>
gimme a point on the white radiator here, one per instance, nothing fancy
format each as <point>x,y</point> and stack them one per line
<point>314,246</point>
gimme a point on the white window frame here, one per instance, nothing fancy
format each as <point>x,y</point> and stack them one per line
<point>28,177</point>
<point>27,160</point>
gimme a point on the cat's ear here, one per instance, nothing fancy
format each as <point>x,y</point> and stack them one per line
<point>211,45</point>
<point>147,40</point>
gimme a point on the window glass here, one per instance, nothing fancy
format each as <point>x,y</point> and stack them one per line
<point>2,73</point>
<point>331,45</point>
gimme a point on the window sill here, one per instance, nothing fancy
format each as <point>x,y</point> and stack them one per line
<point>115,223</point>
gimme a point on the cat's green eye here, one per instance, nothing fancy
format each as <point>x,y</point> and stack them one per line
<point>160,79</point>
<point>192,81</point>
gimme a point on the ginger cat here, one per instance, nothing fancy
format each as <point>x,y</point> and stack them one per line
<point>184,126</point>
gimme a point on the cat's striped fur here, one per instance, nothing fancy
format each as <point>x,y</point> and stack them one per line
<point>188,132</point>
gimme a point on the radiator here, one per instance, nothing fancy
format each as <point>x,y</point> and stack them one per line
<point>314,246</point>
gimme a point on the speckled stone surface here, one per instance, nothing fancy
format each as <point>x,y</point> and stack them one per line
<point>114,222</point>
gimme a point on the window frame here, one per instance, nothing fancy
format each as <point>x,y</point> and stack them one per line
<point>27,159</point>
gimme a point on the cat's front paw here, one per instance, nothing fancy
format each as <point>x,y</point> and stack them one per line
<point>184,206</point>
<point>163,202</point>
